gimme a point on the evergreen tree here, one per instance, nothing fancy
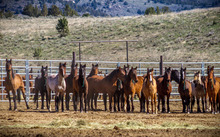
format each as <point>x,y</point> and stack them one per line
<point>62,27</point>
<point>158,10</point>
<point>165,9</point>
<point>69,12</point>
<point>44,11</point>
<point>54,11</point>
<point>150,11</point>
<point>28,10</point>
<point>36,11</point>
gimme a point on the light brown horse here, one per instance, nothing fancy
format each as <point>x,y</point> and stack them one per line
<point>98,84</point>
<point>150,90</point>
<point>132,86</point>
<point>185,90</point>
<point>164,88</point>
<point>198,91</point>
<point>57,83</point>
<point>213,88</point>
<point>12,83</point>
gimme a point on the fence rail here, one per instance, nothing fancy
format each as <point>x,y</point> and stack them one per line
<point>23,67</point>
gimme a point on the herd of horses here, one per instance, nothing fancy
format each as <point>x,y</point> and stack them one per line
<point>120,85</point>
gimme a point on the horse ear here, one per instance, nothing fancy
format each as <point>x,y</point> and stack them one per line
<point>97,65</point>
<point>11,61</point>
<point>212,68</point>
<point>76,65</point>
<point>64,64</point>
<point>136,68</point>
<point>147,69</point>
<point>92,65</point>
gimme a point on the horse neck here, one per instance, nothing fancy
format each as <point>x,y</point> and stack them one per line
<point>10,75</point>
<point>111,77</point>
<point>60,78</point>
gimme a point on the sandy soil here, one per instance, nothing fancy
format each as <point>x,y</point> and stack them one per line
<point>100,123</point>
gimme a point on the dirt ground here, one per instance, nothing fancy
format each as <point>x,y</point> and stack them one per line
<point>100,123</point>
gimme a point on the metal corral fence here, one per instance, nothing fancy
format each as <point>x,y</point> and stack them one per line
<point>23,67</point>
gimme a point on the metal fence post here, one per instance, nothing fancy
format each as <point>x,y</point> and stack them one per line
<point>50,67</point>
<point>203,68</point>
<point>118,64</point>
<point>139,68</point>
<point>27,81</point>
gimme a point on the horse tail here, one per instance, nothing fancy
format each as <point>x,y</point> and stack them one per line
<point>19,95</point>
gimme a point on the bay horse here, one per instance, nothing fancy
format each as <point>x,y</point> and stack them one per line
<point>198,91</point>
<point>164,88</point>
<point>213,88</point>
<point>149,89</point>
<point>185,90</point>
<point>72,86</point>
<point>40,85</point>
<point>99,84</point>
<point>13,82</point>
<point>83,86</point>
<point>175,76</point>
<point>57,83</point>
<point>132,85</point>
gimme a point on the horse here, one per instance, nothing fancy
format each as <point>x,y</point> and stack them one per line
<point>83,86</point>
<point>12,83</point>
<point>149,89</point>
<point>99,84</point>
<point>213,88</point>
<point>119,93</point>
<point>57,83</point>
<point>40,85</point>
<point>132,85</point>
<point>175,76</point>
<point>198,91</point>
<point>164,88</point>
<point>72,86</point>
<point>185,90</point>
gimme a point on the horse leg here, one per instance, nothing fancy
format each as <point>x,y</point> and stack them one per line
<point>9,98</point>
<point>81,101</point>
<point>122,101</point>
<point>118,100</point>
<point>203,108</point>
<point>115,100</point>
<point>24,96</point>
<point>128,104</point>
<point>193,102</point>
<point>42,100</point>
<point>95,100</point>
<point>75,96</point>
<point>168,103</point>
<point>62,103</point>
<point>92,98</point>
<point>183,103</point>
<point>187,103</point>
<point>215,104</point>
<point>163,104</point>
<point>198,106</point>
<point>105,100</point>
<point>125,102</point>
<point>152,103</point>
<point>14,99</point>
<point>132,102</point>
<point>47,98</point>
<point>85,99</point>
<point>67,100</point>
<point>147,104</point>
<point>110,102</point>
<point>155,102</point>
<point>36,97</point>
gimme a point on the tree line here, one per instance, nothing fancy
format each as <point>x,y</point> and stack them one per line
<point>151,10</point>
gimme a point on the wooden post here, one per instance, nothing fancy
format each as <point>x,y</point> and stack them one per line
<point>79,53</point>
<point>74,59</point>
<point>161,65</point>
<point>127,51</point>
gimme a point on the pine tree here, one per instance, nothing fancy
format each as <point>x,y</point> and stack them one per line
<point>44,11</point>
<point>62,27</point>
<point>54,11</point>
<point>150,11</point>
<point>158,10</point>
<point>36,11</point>
<point>28,10</point>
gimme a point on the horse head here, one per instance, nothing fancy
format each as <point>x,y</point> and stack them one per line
<point>197,78</point>
<point>95,69</point>
<point>82,71</point>
<point>133,74</point>
<point>126,69</point>
<point>120,73</point>
<point>182,74</point>
<point>44,71</point>
<point>167,75</point>
<point>149,76</point>
<point>62,69</point>
<point>175,76</point>
<point>210,72</point>
<point>8,65</point>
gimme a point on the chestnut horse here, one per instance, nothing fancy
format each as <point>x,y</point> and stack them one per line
<point>72,86</point>
<point>164,88</point>
<point>83,86</point>
<point>149,89</point>
<point>198,91</point>
<point>12,83</point>
<point>213,88</point>
<point>132,85</point>
<point>185,90</point>
<point>40,85</point>
<point>57,83</point>
<point>98,84</point>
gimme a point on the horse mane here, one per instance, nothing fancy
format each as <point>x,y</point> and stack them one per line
<point>13,76</point>
<point>112,74</point>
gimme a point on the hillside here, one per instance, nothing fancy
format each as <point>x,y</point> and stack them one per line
<point>110,7</point>
<point>185,36</point>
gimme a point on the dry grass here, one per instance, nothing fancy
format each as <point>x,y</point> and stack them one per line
<point>185,36</point>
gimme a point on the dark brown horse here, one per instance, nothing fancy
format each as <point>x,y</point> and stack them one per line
<point>83,86</point>
<point>12,83</point>
<point>164,88</point>
<point>40,85</point>
<point>72,86</point>
<point>185,90</point>
<point>98,84</point>
<point>213,88</point>
<point>57,83</point>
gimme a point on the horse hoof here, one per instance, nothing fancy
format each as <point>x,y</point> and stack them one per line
<point>9,109</point>
<point>15,109</point>
<point>188,112</point>
<point>168,112</point>
<point>28,107</point>
<point>37,108</point>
